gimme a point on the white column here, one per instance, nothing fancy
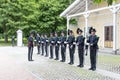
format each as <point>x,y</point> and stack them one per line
<point>86,15</point>
<point>19,38</point>
<point>114,30</point>
<point>68,23</point>
<point>114,11</point>
<point>86,23</point>
<point>86,2</point>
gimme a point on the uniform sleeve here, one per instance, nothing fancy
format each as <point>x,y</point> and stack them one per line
<point>73,39</point>
<point>76,40</point>
<point>96,40</point>
<point>65,38</point>
<point>82,40</point>
<point>88,41</point>
<point>30,39</point>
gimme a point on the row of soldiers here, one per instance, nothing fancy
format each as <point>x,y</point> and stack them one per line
<point>61,42</point>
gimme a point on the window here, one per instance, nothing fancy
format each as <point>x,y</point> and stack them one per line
<point>108,33</point>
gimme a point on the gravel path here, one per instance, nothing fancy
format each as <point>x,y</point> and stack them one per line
<point>14,66</point>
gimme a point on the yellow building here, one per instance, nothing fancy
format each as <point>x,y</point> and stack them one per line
<point>105,19</point>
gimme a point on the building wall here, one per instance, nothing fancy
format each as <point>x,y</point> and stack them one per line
<point>99,20</point>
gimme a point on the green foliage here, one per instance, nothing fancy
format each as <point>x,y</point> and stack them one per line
<point>110,2</point>
<point>39,15</point>
<point>73,21</point>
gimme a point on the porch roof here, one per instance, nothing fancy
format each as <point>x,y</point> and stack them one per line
<point>76,7</point>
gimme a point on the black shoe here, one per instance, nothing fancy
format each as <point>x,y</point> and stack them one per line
<point>81,66</point>
<point>94,69</point>
<point>78,65</point>
<point>46,55</point>
<point>31,60</point>
<point>55,59</point>
<point>51,58</point>
<point>90,69</point>
<point>38,53</point>
<point>61,60</point>
<point>72,63</point>
<point>69,63</point>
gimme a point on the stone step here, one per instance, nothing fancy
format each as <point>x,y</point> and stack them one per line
<point>109,51</point>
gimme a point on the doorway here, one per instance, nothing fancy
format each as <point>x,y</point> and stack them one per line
<point>108,31</point>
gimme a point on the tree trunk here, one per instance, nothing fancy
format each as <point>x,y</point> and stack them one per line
<point>6,38</point>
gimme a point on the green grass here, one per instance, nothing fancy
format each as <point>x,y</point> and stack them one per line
<point>2,43</point>
<point>109,59</point>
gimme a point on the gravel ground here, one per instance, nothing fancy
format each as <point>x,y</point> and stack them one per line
<point>14,66</point>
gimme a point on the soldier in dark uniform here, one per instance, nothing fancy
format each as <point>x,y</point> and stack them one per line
<point>93,42</point>
<point>56,39</point>
<point>38,43</point>
<point>42,43</point>
<point>46,45</point>
<point>51,41</point>
<point>80,43</point>
<point>63,46</point>
<point>13,41</point>
<point>71,40</point>
<point>87,46</point>
<point>30,46</point>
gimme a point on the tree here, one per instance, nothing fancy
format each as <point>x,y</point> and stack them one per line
<point>108,1</point>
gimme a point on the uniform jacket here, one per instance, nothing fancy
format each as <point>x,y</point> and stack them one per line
<point>70,40</point>
<point>80,41</point>
<point>51,40</point>
<point>30,41</point>
<point>94,41</point>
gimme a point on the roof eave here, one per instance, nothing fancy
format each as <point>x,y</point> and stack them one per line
<point>64,13</point>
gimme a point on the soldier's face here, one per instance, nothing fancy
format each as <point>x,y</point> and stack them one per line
<point>45,35</point>
<point>38,35</point>
<point>55,34</point>
<point>32,35</point>
<point>51,35</point>
<point>62,34</point>
<point>80,33</point>
<point>93,33</point>
<point>70,33</point>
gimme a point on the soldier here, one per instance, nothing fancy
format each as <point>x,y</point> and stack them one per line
<point>46,45</point>
<point>13,41</point>
<point>56,39</point>
<point>71,40</point>
<point>30,46</point>
<point>51,40</point>
<point>80,43</point>
<point>63,46</point>
<point>42,42</point>
<point>38,43</point>
<point>93,42</point>
<point>87,45</point>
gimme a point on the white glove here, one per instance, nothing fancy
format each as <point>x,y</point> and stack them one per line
<point>52,42</point>
<point>71,46</point>
<point>58,42</point>
<point>65,42</point>
<point>91,44</point>
<point>47,41</point>
<point>74,43</point>
<point>87,43</point>
<point>77,44</point>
